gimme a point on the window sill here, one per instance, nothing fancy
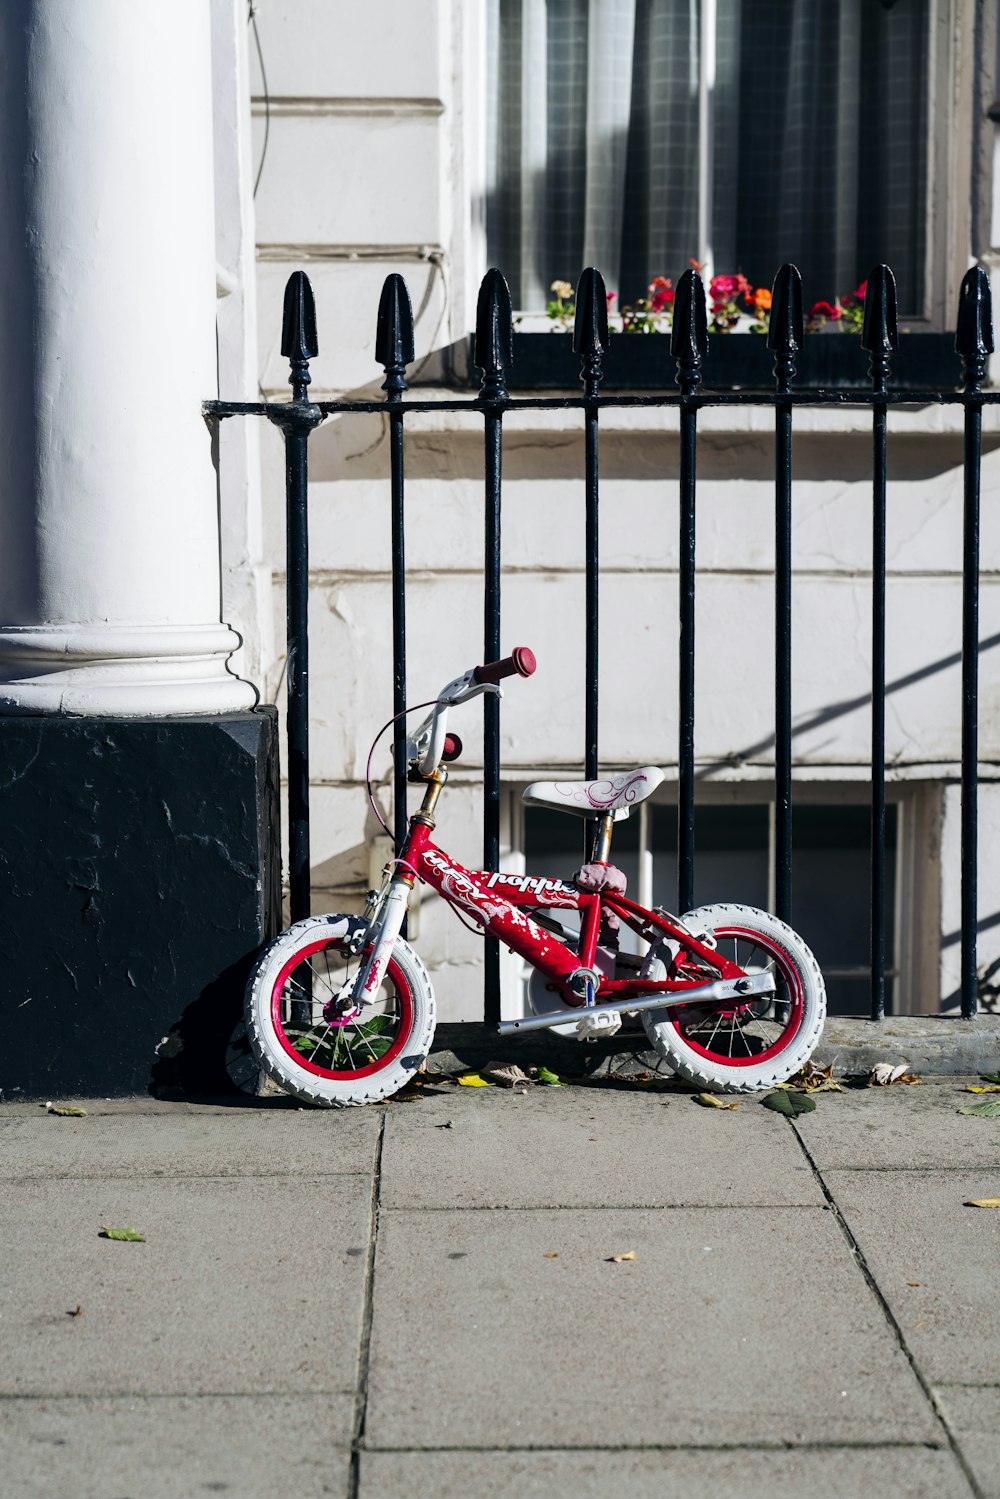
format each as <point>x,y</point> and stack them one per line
<point>830,361</point>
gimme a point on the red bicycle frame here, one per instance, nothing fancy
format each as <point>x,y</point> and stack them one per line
<point>499,902</point>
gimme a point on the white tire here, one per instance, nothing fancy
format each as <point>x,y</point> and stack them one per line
<point>740,1049</point>
<point>335,1061</point>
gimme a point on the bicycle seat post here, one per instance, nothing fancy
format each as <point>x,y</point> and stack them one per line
<point>602,839</point>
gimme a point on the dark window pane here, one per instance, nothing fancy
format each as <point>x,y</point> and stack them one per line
<point>831,896</point>
<point>730,855</point>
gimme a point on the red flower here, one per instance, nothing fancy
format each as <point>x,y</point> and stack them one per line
<point>661,293</point>
<point>862,291</point>
<point>826,310</point>
<point>611,297</point>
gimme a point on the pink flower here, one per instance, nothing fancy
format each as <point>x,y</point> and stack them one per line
<point>826,310</point>
<point>728,288</point>
<point>862,291</point>
<point>611,297</point>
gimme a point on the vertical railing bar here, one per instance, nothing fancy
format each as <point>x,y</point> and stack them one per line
<point>590,341</point>
<point>393,350</point>
<point>296,420</point>
<point>491,703</point>
<point>686,662</point>
<point>592,603</point>
<point>688,343</point>
<point>974,342</point>
<point>493,355</point>
<point>785,333</point>
<point>399,783</point>
<point>879,337</point>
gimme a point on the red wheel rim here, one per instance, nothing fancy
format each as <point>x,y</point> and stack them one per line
<point>793,996</point>
<point>403,1018</point>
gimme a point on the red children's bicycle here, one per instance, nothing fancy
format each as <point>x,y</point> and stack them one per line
<point>340,1009</point>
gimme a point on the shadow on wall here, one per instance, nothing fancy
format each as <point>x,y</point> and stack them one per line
<point>355,446</point>
<point>839,710</point>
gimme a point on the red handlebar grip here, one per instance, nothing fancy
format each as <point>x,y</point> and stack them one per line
<point>521,662</point>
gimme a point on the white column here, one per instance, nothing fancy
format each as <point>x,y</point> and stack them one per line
<point>109,530</point>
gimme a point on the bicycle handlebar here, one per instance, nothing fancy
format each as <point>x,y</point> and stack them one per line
<point>521,662</point>
<point>427,746</point>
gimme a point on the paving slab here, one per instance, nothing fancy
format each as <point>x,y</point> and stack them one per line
<point>588,1146</point>
<point>974,1415</point>
<point>912,1227</point>
<point>732,1325</point>
<point>252,1285</point>
<point>242,1142</point>
<point>835,1473</point>
<point>908,1126</point>
<point>173,1446</point>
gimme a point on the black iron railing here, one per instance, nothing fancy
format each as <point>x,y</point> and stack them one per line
<point>688,343</point>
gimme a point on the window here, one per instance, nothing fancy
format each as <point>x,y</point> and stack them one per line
<point>636,135</point>
<point>734,862</point>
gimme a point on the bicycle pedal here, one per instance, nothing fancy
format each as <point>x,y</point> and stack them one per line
<point>597,1023</point>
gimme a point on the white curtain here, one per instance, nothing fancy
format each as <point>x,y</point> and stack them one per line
<point>817,121</point>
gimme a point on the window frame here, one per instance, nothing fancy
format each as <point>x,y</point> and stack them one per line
<point>961,83</point>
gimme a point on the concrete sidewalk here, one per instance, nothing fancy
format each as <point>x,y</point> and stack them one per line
<point>420,1298</point>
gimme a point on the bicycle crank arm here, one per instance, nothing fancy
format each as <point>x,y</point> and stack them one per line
<point>739,990</point>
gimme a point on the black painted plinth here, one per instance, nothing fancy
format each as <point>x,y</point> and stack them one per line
<point>139,875</point>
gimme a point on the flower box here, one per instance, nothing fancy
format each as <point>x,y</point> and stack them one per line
<point>642,361</point>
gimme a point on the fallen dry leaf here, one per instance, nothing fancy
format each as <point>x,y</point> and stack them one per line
<point>884,1075</point>
<point>126,1235</point>
<point>76,1312</point>
<point>990,1088</point>
<point>507,1074</point>
<point>710,1101</point>
<point>551,1255</point>
<point>813,1079</point>
<point>982,1202</point>
<point>65,1111</point>
<point>914,1282</point>
<point>472,1080</point>
<point>619,1259</point>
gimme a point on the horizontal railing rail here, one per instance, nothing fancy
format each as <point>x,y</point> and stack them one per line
<point>493,355</point>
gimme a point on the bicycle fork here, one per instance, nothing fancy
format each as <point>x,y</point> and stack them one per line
<point>387,927</point>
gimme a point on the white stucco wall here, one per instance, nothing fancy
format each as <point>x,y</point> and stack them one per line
<point>374,165</point>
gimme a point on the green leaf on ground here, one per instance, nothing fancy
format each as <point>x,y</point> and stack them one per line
<point>789,1102</point>
<point>551,1078</point>
<point>128,1235</point>
<point>65,1111</point>
<point>990,1077</point>
<point>988,1109</point>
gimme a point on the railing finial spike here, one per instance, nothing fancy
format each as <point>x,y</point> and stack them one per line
<point>879,333</point>
<point>590,328</point>
<point>785,327</point>
<point>394,346</point>
<point>974,331</point>
<point>299,342</point>
<point>689,330</point>
<point>493,351</point>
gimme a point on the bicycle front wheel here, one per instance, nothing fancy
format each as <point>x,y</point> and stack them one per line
<point>740,1048</point>
<point>304,1042</point>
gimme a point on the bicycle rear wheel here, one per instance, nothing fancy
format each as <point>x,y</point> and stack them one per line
<point>740,1048</point>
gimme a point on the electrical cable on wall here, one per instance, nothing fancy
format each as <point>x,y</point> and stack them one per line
<point>252,19</point>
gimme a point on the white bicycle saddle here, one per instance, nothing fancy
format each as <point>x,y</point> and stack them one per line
<point>617,794</point>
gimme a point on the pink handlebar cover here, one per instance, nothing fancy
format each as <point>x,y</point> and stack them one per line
<point>521,663</point>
